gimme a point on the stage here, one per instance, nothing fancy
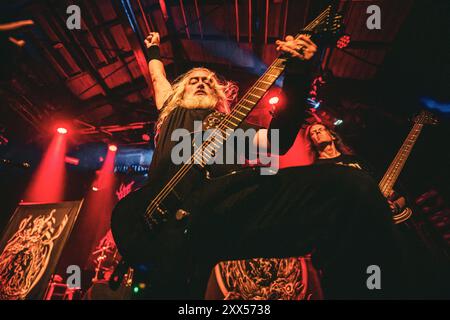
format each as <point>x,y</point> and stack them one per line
<point>115,115</point>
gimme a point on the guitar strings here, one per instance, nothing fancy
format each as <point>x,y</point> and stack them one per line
<point>181,172</point>
<point>239,106</point>
<point>386,181</point>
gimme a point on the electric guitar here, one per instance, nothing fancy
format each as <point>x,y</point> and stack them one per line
<point>390,177</point>
<point>155,216</point>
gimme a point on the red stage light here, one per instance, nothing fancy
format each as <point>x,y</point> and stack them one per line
<point>47,184</point>
<point>112,148</point>
<point>99,202</point>
<point>343,42</point>
<point>274,100</point>
<point>71,160</point>
<point>61,130</point>
<point>145,137</point>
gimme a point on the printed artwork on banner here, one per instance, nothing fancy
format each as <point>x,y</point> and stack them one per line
<point>31,246</point>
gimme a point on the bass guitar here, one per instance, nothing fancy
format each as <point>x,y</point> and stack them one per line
<point>390,177</point>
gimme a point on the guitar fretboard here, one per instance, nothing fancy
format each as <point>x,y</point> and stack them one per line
<point>390,178</point>
<point>247,103</point>
<point>242,109</point>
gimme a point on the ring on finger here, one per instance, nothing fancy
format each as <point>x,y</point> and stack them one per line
<point>301,50</point>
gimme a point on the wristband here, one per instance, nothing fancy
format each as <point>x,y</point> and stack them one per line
<point>153,53</point>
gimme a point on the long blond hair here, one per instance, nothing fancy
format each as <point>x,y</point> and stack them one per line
<point>225,91</point>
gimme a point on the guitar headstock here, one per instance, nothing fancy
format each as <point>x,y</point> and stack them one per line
<point>333,24</point>
<point>326,28</point>
<point>426,117</point>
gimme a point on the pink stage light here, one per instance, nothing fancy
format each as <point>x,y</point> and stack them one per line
<point>145,137</point>
<point>112,147</point>
<point>71,160</point>
<point>47,184</point>
<point>61,130</point>
<point>274,100</point>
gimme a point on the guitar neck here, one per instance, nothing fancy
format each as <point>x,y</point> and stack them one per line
<point>257,91</point>
<point>247,103</point>
<point>390,178</point>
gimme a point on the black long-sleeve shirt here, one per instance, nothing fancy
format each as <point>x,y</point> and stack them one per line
<point>297,81</point>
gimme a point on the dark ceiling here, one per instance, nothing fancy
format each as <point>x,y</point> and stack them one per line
<point>97,76</point>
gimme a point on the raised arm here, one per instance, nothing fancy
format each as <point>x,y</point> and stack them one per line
<point>296,84</point>
<point>161,86</point>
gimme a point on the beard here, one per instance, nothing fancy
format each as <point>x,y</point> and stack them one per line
<point>199,102</point>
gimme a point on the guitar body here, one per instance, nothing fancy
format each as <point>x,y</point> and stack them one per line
<point>139,242</point>
<point>164,250</point>
<point>160,254</point>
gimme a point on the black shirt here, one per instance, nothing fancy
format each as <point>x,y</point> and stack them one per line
<point>181,118</point>
<point>349,161</point>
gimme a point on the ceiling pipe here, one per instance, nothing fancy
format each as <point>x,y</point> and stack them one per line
<point>285,18</point>
<point>236,11</point>
<point>250,21</point>
<point>199,21</point>
<point>186,27</point>
<point>266,24</point>
<point>144,17</point>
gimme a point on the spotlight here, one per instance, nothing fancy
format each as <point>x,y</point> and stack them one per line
<point>338,122</point>
<point>94,189</point>
<point>112,147</point>
<point>61,130</point>
<point>145,137</point>
<point>274,100</point>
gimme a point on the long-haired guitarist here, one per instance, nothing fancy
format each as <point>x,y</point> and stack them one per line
<point>336,213</point>
<point>329,148</point>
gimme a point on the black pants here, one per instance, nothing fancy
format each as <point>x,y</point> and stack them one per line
<point>335,212</point>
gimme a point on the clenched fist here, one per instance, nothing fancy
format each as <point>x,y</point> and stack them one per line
<point>152,40</point>
<point>302,47</point>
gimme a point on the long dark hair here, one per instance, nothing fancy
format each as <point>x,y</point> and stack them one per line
<point>338,142</point>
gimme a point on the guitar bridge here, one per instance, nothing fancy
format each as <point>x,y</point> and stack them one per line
<point>155,217</point>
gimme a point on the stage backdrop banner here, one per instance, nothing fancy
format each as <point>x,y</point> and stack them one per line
<point>31,246</point>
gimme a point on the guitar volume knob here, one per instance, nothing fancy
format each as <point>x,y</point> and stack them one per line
<point>181,214</point>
